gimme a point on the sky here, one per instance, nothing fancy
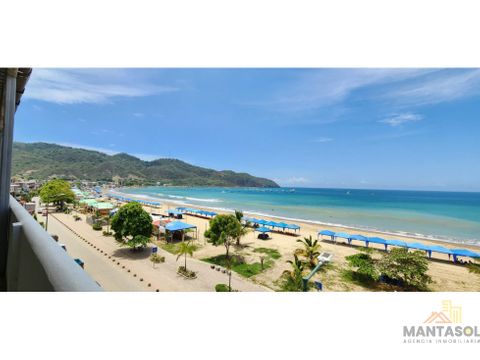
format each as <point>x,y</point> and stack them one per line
<point>409,129</point>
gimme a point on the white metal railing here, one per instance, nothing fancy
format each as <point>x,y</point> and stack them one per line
<point>35,261</point>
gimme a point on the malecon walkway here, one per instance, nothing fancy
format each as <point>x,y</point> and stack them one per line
<point>119,269</point>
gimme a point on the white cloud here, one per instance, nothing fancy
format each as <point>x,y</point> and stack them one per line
<point>318,88</point>
<point>400,119</point>
<point>322,140</point>
<point>441,86</point>
<point>138,114</point>
<point>75,86</point>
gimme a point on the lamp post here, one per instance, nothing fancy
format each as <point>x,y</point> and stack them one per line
<point>46,217</point>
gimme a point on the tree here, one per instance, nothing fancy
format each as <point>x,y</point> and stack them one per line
<point>223,230</point>
<point>309,251</point>
<point>292,280</point>
<point>132,225</point>
<point>57,191</point>
<point>137,242</point>
<point>410,268</point>
<point>186,248</point>
<point>244,229</point>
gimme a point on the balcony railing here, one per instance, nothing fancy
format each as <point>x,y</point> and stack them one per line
<point>36,262</point>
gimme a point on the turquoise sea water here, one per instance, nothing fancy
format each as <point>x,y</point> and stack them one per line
<point>451,216</point>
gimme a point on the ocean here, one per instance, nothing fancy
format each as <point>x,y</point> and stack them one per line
<point>447,216</point>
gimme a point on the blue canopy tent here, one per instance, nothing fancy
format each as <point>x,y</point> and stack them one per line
<point>174,213</point>
<point>357,237</point>
<point>398,243</point>
<point>463,252</point>
<point>262,222</point>
<point>263,229</point>
<point>263,232</point>
<point>341,235</point>
<point>282,225</point>
<point>293,227</point>
<point>376,240</point>
<point>326,233</point>
<point>271,223</point>
<point>420,246</point>
<point>175,226</point>
<point>441,250</point>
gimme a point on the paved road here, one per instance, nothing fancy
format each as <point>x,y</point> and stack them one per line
<point>108,275</point>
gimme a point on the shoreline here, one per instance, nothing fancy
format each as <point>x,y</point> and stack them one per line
<point>302,222</point>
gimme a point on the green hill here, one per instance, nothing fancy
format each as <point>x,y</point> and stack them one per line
<point>42,161</point>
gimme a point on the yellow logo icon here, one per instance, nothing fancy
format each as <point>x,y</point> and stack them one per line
<point>449,314</point>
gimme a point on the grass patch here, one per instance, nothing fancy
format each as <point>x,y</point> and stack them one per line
<point>272,253</point>
<point>172,248</point>
<point>239,265</point>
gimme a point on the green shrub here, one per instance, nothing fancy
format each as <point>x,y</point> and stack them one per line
<point>221,288</point>
<point>363,267</point>
<point>409,269</point>
<point>107,233</point>
<point>157,259</point>
<point>97,227</point>
<point>187,273</point>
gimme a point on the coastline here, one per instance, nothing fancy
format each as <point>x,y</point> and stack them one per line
<point>305,223</point>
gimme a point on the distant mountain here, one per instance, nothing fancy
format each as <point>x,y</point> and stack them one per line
<point>42,161</point>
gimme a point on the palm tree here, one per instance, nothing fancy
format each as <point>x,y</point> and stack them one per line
<point>293,278</point>
<point>310,250</point>
<point>186,248</point>
<point>244,228</point>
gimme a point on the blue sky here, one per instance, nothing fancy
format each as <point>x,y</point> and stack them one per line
<point>349,128</point>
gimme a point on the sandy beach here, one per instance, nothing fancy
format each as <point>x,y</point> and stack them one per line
<point>446,275</point>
